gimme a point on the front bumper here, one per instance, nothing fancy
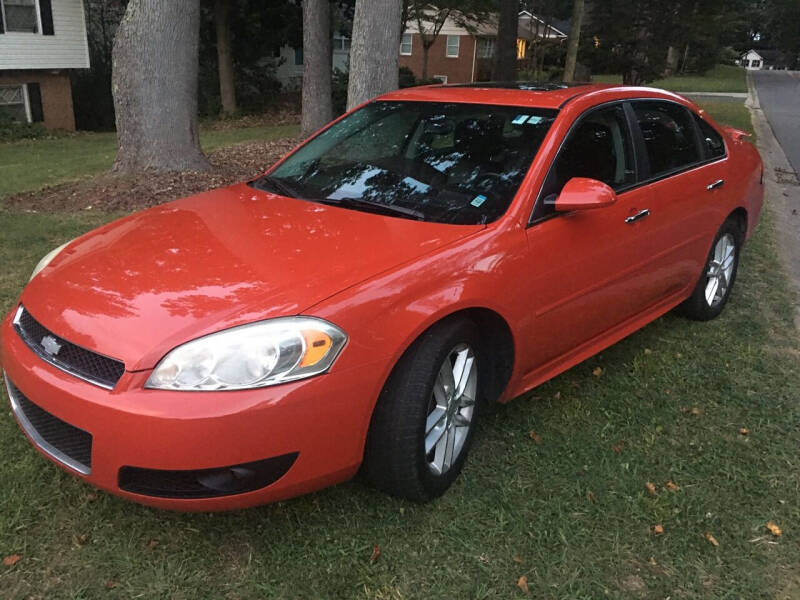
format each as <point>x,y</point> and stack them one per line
<point>321,423</point>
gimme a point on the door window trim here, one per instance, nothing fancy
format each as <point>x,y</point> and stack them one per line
<point>640,159</point>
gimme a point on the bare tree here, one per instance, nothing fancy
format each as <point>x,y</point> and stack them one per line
<point>374,50</point>
<point>430,20</point>
<point>154,83</point>
<point>317,101</point>
<point>505,60</point>
<point>574,40</point>
<point>227,90</point>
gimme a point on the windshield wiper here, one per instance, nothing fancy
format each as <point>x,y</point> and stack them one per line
<point>373,206</point>
<point>277,185</point>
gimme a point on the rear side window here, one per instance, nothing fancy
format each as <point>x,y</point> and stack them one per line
<point>669,136</point>
<point>714,146</point>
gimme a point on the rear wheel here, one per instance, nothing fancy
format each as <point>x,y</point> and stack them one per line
<point>716,283</point>
<point>424,420</point>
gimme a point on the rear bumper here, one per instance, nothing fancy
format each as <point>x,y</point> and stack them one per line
<point>321,422</point>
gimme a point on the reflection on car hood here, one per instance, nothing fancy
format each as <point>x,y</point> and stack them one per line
<point>142,285</point>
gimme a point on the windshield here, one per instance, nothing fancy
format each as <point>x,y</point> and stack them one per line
<point>443,162</point>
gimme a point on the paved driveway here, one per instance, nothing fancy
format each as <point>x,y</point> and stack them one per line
<point>779,95</point>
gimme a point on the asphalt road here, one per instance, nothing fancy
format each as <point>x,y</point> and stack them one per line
<point>779,95</point>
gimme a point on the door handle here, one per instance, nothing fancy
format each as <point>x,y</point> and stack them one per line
<point>639,215</point>
<point>717,184</point>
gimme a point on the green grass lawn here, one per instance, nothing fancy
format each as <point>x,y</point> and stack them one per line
<point>32,164</point>
<point>722,78</point>
<point>571,513</point>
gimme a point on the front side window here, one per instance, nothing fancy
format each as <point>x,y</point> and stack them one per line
<point>599,147</point>
<point>714,145</point>
<point>407,44</point>
<point>453,43</point>
<point>442,162</point>
<point>669,136</point>
<point>20,15</point>
<point>12,103</point>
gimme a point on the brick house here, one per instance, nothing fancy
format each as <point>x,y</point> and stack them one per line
<point>40,41</point>
<point>463,52</point>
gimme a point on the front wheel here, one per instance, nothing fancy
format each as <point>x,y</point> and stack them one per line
<point>424,420</point>
<point>716,283</point>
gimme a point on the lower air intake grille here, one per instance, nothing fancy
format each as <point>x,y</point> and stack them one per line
<point>64,442</point>
<point>95,368</point>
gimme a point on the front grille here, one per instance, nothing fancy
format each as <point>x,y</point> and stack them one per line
<point>94,368</point>
<point>206,483</point>
<point>64,442</point>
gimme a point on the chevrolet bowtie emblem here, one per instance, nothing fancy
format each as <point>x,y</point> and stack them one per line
<point>50,345</point>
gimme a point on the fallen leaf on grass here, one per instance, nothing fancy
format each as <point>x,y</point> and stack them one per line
<point>517,558</point>
<point>11,560</point>
<point>376,553</point>
<point>83,539</point>
<point>694,411</point>
<point>153,543</point>
<point>522,583</point>
<point>711,539</point>
<point>774,529</point>
<point>653,561</point>
<point>651,488</point>
<point>557,395</point>
<point>648,351</point>
<point>744,430</point>
<point>111,584</point>
<point>658,529</point>
<point>617,447</point>
<point>597,371</point>
<point>591,497</point>
<point>672,486</point>
<point>535,437</point>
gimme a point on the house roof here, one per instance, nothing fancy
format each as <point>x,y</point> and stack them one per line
<point>529,27</point>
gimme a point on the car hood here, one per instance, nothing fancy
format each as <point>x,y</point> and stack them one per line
<point>138,287</point>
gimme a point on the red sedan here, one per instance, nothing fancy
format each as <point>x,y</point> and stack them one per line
<point>354,307</point>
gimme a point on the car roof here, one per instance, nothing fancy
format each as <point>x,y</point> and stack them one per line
<point>532,94</point>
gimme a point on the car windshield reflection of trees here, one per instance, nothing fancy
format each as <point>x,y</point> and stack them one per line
<point>449,163</point>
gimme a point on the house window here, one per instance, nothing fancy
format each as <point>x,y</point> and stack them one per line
<point>453,43</point>
<point>13,103</point>
<point>442,78</point>
<point>485,47</point>
<point>341,44</point>
<point>755,64</point>
<point>746,62</point>
<point>407,44</point>
<point>20,15</point>
<point>298,56</point>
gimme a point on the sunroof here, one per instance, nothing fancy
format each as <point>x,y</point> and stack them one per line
<point>528,86</point>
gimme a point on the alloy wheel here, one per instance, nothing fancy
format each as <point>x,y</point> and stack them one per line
<point>451,409</point>
<point>720,270</point>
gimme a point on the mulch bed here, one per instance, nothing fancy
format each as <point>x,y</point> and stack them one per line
<point>108,192</point>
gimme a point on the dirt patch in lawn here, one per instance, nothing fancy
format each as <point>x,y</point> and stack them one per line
<point>109,192</point>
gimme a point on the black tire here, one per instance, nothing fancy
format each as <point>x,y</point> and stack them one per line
<point>395,460</point>
<point>697,306</point>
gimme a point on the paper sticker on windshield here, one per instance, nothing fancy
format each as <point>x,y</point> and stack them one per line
<point>478,200</point>
<point>520,119</point>
<point>535,120</point>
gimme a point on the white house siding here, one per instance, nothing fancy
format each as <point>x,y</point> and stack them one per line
<point>67,49</point>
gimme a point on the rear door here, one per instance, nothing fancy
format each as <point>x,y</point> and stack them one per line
<point>682,163</point>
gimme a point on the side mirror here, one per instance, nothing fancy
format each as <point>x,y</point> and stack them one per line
<point>581,193</point>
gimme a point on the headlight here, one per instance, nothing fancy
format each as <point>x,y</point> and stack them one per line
<point>47,259</point>
<point>251,356</point>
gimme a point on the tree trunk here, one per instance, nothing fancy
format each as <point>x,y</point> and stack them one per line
<point>374,50</point>
<point>505,61</point>
<point>317,59</point>
<point>672,61</point>
<point>574,40</point>
<point>227,91</point>
<point>425,52</point>
<point>154,84</point>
